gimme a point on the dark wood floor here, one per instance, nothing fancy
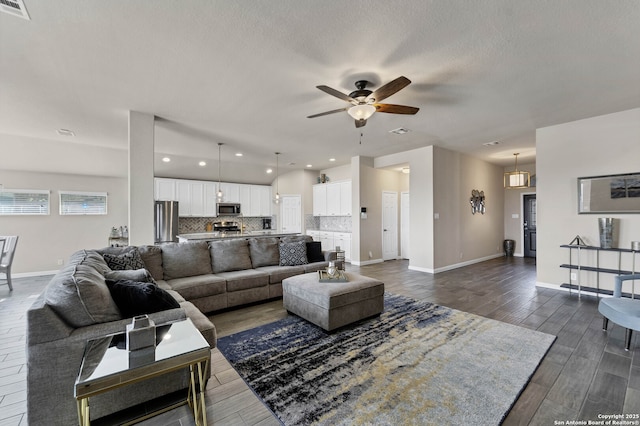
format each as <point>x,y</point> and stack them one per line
<point>587,372</point>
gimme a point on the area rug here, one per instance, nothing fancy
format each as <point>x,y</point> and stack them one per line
<point>417,363</point>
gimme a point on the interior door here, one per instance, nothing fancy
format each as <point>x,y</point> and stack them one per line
<point>291,214</point>
<point>389,225</point>
<point>530,220</point>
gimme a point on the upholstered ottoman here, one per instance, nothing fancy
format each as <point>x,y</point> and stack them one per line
<point>333,305</point>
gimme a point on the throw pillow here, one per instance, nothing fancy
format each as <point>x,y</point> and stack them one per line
<point>293,254</point>
<point>128,260</point>
<point>139,275</point>
<point>138,298</point>
<point>314,252</point>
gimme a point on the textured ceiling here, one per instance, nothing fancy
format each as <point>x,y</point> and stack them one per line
<point>244,73</point>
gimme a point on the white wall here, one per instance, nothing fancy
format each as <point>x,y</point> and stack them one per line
<point>608,144</point>
<point>45,239</point>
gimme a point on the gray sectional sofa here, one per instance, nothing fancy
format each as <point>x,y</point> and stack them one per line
<point>202,277</point>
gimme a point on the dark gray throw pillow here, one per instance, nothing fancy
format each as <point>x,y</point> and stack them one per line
<point>314,252</point>
<point>139,298</point>
<point>293,254</point>
<point>139,275</point>
<point>128,260</point>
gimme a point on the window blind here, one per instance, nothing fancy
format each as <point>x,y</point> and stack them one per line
<point>24,202</point>
<point>83,203</point>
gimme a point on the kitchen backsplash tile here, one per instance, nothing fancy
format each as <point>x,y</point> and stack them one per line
<point>190,225</point>
<point>329,223</point>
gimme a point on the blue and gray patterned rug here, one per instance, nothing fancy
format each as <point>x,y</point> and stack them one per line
<point>417,363</point>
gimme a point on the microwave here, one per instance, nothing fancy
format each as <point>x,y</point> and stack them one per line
<point>228,209</point>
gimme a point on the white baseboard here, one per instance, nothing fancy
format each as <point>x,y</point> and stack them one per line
<point>420,269</point>
<point>467,263</point>
<point>366,262</point>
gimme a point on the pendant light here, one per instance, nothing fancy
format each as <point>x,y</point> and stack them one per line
<point>277,198</point>
<point>516,179</point>
<point>219,194</point>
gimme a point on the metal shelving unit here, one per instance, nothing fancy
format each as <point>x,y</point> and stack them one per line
<point>597,269</point>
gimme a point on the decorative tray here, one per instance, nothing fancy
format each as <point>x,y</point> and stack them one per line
<point>323,277</point>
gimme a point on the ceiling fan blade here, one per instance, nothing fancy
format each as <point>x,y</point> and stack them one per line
<point>390,88</point>
<point>334,92</point>
<point>396,109</point>
<point>328,112</point>
<point>360,123</point>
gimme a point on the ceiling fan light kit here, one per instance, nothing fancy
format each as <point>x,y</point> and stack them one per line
<point>365,102</point>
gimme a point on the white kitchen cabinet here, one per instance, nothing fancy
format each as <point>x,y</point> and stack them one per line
<point>197,199</point>
<point>183,193</point>
<point>314,234</point>
<point>210,189</point>
<point>230,192</point>
<point>345,198</point>
<point>343,240</point>
<point>165,189</point>
<point>245,200</point>
<point>320,200</point>
<point>261,200</point>
<point>333,199</point>
<point>327,241</point>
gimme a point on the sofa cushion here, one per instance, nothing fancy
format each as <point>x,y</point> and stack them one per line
<point>242,280</point>
<point>230,255</point>
<point>264,251</point>
<point>139,298</point>
<point>141,275</point>
<point>199,286</point>
<point>293,254</point>
<point>79,293</point>
<point>279,273</point>
<point>152,258</point>
<point>314,252</point>
<point>129,260</point>
<point>185,259</point>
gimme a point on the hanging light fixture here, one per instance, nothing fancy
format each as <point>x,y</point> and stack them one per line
<point>219,194</point>
<point>516,179</point>
<point>277,198</point>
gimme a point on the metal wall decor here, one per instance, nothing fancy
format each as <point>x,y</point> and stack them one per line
<point>477,202</point>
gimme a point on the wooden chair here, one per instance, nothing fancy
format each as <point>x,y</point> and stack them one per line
<point>6,256</point>
<point>621,310</point>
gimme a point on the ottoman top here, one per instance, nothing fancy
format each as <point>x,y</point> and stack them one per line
<point>332,295</point>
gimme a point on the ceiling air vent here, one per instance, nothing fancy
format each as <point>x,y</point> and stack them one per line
<point>15,8</point>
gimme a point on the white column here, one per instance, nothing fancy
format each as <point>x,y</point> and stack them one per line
<point>141,156</point>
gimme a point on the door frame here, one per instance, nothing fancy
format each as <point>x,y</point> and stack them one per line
<point>521,254</point>
<point>395,224</point>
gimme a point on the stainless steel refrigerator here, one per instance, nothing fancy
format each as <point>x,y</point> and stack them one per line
<point>166,221</point>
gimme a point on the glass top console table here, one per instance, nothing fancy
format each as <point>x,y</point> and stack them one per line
<point>108,365</point>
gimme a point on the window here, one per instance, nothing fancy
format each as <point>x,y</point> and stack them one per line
<point>24,202</point>
<point>83,203</point>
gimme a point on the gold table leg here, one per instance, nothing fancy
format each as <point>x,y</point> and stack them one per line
<point>196,396</point>
<point>83,412</point>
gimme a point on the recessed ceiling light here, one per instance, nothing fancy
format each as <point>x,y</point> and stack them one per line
<point>166,159</point>
<point>269,170</point>
<point>332,159</point>
<point>399,131</point>
<point>238,154</point>
<point>492,143</point>
<point>202,163</point>
<point>309,165</point>
<point>65,132</point>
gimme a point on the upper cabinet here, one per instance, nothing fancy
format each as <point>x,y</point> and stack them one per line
<point>165,189</point>
<point>332,199</point>
<point>320,200</point>
<point>198,198</point>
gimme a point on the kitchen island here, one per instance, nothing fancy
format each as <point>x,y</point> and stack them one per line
<point>213,236</point>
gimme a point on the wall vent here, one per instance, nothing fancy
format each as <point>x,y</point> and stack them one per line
<point>15,8</point>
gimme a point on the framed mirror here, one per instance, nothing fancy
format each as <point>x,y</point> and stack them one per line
<point>609,194</point>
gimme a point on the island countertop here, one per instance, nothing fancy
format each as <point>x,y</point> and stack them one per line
<point>211,236</point>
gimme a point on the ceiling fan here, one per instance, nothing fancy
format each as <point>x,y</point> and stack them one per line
<point>365,102</point>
